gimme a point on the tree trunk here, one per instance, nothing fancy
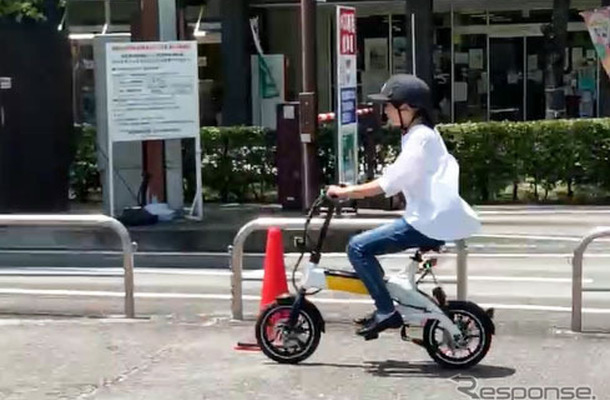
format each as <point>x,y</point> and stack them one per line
<point>556,37</point>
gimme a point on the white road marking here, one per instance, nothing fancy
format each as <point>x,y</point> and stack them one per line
<point>247,275</point>
<point>212,296</point>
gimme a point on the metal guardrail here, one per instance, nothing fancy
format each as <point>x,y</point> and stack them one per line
<point>91,221</point>
<point>577,287</point>
<point>236,251</point>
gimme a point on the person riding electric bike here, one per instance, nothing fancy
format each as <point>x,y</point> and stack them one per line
<point>428,177</point>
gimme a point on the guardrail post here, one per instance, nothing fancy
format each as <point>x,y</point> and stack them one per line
<point>235,265</point>
<point>577,291</point>
<point>462,270</point>
<point>128,263</point>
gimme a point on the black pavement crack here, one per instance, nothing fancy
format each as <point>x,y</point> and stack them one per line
<point>144,366</point>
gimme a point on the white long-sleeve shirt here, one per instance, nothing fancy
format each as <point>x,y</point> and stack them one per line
<point>428,176</point>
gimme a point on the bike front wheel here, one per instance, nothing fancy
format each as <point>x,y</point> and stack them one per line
<point>284,344</point>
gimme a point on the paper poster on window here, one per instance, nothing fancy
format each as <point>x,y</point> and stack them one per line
<point>461,91</point>
<point>532,62</point>
<point>461,58</point>
<point>376,54</point>
<point>475,58</point>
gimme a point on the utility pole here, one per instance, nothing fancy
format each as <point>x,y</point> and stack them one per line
<point>309,102</point>
<point>146,28</point>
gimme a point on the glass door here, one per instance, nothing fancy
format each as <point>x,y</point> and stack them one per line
<point>507,84</point>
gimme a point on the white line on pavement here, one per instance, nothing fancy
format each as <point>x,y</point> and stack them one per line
<point>212,296</point>
<point>247,275</point>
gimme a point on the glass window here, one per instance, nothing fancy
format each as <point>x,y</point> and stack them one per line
<point>373,54</point>
<point>535,63</point>
<point>399,45</point>
<point>86,12</point>
<point>442,66</point>
<point>121,11</point>
<point>469,69</point>
<point>84,83</point>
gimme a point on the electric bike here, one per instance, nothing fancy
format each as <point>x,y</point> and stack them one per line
<point>456,334</point>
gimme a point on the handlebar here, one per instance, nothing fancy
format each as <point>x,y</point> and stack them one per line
<point>331,202</point>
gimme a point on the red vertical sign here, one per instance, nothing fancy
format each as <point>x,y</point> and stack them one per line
<point>347,31</point>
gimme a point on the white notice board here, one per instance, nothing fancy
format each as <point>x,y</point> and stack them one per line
<point>152,90</point>
<point>153,94</point>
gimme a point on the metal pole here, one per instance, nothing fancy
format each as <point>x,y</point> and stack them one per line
<point>462,270</point>
<point>236,258</point>
<point>391,44</point>
<point>308,47</point>
<point>308,43</point>
<point>110,172</point>
<point>306,175</point>
<point>413,50</point>
<point>488,83</point>
<point>199,191</point>
<point>577,291</point>
<point>525,70</point>
<point>128,263</point>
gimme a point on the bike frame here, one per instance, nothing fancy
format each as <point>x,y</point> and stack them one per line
<point>415,306</point>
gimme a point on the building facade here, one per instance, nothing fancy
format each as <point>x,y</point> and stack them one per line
<point>484,58</point>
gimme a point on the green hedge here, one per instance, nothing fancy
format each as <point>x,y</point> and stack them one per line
<point>552,154</point>
<point>565,161</point>
<point>238,164</point>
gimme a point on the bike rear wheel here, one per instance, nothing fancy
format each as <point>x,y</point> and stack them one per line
<point>471,320</point>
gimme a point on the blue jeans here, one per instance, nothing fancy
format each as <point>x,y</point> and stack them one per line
<point>391,238</point>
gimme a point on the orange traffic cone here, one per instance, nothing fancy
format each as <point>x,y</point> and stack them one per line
<point>274,279</point>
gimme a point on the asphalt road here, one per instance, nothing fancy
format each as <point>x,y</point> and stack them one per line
<point>181,344</point>
<point>163,359</point>
<point>513,285</point>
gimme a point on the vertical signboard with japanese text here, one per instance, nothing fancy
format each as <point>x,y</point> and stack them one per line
<point>347,95</point>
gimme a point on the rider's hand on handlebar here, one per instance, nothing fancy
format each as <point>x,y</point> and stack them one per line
<point>337,192</point>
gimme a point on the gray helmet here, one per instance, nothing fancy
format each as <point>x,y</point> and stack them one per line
<point>405,89</point>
